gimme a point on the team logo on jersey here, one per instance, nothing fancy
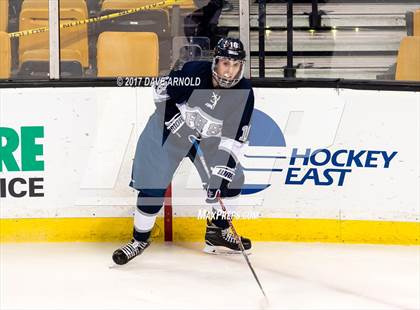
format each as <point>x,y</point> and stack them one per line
<point>199,120</point>
<point>214,100</point>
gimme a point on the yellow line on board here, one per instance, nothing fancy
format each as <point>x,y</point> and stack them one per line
<point>191,229</point>
<point>309,230</point>
<point>71,229</point>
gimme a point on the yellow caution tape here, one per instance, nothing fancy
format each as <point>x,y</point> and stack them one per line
<point>152,6</point>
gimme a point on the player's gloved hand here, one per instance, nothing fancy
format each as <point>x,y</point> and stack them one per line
<point>219,183</point>
<point>179,128</point>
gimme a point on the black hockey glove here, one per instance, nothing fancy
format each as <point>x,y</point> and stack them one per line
<point>178,127</point>
<point>222,175</point>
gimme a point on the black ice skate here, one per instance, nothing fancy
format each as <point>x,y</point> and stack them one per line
<point>127,252</point>
<point>222,241</point>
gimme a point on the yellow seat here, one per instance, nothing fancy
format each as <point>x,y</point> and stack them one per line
<point>156,21</point>
<point>408,61</point>
<point>34,14</point>
<point>4,15</point>
<point>35,64</point>
<point>44,55</point>
<point>43,4</point>
<point>120,5</point>
<point>132,4</point>
<point>416,23</point>
<point>127,54</point>
<point>5,56</point>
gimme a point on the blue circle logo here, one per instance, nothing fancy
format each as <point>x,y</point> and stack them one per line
<point>264,133</point>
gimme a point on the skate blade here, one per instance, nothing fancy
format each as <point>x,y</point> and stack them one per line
<point>220,250</point>
<point>114,265</point>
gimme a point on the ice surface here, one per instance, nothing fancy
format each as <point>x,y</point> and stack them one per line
<point>180,276</point>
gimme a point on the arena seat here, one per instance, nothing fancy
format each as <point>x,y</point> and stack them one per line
<point>144,21</point>
<point>156,21</point>
<point>5,56</point>
<point>4,15</point>
<point>416,23</point>
<point>127,54</point>
<point>34,4</point>
<point>35,64</point>
<point>408,61</point>
<point>34,14</point>
<point>187,5</point>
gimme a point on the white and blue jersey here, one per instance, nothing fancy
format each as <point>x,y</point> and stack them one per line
<point>220,116</point>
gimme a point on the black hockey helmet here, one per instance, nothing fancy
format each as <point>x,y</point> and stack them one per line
<point>232,49</point>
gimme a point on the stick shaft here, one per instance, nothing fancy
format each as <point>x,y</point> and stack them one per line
<point>219,199</point>
<point>241,246</point>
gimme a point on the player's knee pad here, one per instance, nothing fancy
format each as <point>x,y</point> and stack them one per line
<point>150,201</point>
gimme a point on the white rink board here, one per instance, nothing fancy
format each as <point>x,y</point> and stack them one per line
<point>90,136</point>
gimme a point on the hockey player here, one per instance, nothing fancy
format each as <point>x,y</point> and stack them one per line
<point>217,114</point>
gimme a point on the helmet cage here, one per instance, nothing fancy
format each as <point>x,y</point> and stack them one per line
<point>222,81</point>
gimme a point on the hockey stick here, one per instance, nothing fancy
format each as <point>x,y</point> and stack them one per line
<point>219,199</point>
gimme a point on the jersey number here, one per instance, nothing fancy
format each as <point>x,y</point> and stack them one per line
<point>245,133</point>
